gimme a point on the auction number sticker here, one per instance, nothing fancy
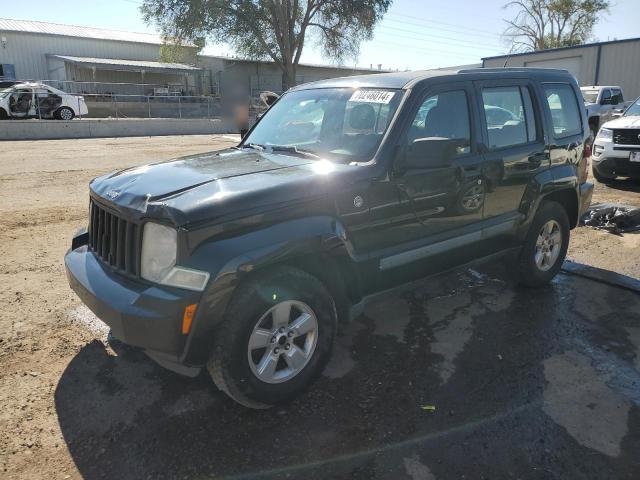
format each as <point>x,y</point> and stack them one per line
<point>372,96</point>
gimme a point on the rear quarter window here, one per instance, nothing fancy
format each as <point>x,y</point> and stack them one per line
<point>563,105</point>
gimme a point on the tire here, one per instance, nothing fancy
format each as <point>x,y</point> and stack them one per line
<point>600,177</point>
<point>235,367</point>
<point>65,113</point>
<point>535,273</point>
<point>3,114</point>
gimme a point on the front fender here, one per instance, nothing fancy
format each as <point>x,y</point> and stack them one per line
<point>229,259</point>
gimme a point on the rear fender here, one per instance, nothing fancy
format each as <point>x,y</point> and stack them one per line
<point>546,185</point>
<point>229,260</point>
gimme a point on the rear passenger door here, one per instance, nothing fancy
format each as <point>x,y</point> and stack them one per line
<point>514,144</point>
<point>565,117</point>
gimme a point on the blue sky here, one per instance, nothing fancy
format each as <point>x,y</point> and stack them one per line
<point>414,34</point>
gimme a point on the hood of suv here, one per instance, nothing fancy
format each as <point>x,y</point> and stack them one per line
<point>624,122</point>
<point>186,190</point>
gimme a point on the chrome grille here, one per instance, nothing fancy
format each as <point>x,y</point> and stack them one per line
<point>626,136</point>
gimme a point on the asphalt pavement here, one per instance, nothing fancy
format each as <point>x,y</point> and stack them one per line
<point>458,376</point>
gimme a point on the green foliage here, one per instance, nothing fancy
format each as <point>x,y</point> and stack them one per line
<point>541,24</point>
<point>276,30</point>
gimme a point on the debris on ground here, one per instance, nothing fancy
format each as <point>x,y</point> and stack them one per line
<point>429,408</point>
<point>613,218</point>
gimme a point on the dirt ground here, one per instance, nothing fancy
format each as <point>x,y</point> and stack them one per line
<point>75,406</point>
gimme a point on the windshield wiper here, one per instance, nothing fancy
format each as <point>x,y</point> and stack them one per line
<point>292,149</point>
<point>255,146</point>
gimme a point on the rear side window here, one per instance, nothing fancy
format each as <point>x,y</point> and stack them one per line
<point>509,116</point>
<point>563,105</point>
<point>617,92</point>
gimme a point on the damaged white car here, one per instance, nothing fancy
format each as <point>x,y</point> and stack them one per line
<point>37,100</point>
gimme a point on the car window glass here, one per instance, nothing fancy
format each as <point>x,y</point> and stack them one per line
<point>443,120</point>
<point>507,122</point>
<point>618,93</point>
<point>334,123</point>
<point>565,114</point>
<point>606,94</point>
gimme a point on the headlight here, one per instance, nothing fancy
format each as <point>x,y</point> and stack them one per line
<point>605,134</point>
<point>158,259</point>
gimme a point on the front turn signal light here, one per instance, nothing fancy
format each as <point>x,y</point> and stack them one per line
<point>187,318</point>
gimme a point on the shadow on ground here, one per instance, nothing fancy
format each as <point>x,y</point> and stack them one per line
<point>525,384</point>
<point>624,184</point>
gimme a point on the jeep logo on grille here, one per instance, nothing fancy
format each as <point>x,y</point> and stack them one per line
<point>112,194</point>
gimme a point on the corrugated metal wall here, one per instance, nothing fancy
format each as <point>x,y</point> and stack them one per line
<point>619,64</point>
<point>587,56</point>
<point>264,76</point>
<point>27,51</point>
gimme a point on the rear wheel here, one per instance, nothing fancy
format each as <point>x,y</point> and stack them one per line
<point>65,113</point>
<point>276,338</point>
<point>545,246</point>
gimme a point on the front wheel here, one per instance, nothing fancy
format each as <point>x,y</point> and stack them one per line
<point>545,246</point>
<point>276,338</point>
<point>601,177</point>
<point>3,114</point>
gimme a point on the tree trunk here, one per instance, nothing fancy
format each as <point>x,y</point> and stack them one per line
<point>288,76</point>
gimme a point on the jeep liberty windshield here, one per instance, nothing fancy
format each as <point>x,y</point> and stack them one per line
<point>340,124</point>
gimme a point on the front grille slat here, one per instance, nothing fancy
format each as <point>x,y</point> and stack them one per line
<point>100,232</point>
<point>122,227</point>
<point>626,136</point>
<point>113,239</point>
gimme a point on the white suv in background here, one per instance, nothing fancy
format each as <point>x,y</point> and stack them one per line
<point>616,150</point>
<point>37,100</point>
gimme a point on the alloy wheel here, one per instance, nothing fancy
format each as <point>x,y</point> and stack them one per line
<point>282,341</point>
<point>548,245</point>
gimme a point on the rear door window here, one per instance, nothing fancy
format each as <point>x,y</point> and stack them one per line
<point>565,113</point>
<point>509,116</point>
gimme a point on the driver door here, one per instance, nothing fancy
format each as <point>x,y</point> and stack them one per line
<point>435,190</point>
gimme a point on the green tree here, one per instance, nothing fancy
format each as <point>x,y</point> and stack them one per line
<point>541,24</point>
<point>271,29</point>
<point>177,52</point>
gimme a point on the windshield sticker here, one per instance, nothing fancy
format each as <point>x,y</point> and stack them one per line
<point>372,96</point>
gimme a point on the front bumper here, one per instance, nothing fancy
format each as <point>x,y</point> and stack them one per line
<point>139,314</point>
<point>611,159</point>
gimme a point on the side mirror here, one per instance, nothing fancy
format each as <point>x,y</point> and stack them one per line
<point>268,98</point>
<point>430,152</point>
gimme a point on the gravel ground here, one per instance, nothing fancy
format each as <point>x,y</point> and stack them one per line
<point>523,384</point>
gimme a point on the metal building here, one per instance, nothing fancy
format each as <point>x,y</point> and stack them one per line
<point>603,63</point>
<point>221,73</point>
<point>73,55</point>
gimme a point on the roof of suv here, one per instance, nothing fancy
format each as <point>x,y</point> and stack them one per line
<point>408,79</point>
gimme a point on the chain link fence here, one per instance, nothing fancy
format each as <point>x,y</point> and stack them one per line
<point>152,106</point>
